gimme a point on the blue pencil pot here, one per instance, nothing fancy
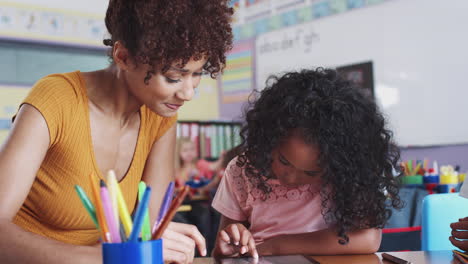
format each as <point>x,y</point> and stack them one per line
<point>147,252</point>
<point>431,179</point>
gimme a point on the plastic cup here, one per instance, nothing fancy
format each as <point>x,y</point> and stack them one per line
<point>146,252</point>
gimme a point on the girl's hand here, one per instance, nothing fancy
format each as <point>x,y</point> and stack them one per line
<point>235,240</point>
<point>179,241</point>
<point>460,234</point>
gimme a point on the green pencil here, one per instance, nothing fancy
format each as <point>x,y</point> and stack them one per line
<point>145,229</point>
<point>87,204</point>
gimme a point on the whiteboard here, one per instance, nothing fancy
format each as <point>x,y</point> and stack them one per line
<point>419,51</point>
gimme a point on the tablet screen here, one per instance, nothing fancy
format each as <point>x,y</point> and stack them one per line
<point>296,259</point>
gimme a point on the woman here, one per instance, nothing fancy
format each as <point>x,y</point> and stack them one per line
<point>122,118</point>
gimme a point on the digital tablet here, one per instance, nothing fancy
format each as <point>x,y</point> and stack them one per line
<point>296,259</point>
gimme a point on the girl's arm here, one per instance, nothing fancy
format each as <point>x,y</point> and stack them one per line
<point>20,158</point>
<point>212,184</point>
<point>323,242</point>
<point>216,165</point>
<point>179,239</point>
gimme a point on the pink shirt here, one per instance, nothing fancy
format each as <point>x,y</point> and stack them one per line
<point>286,211</point>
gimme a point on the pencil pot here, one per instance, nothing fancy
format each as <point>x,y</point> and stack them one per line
<point>448,179</point>
<point>412,179</point>
<point>430,179</point>
<point>147,252</point>
<point>447,188</point>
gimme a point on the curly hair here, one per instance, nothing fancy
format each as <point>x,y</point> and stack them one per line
<point>161,32</point>
<point>357,156</point>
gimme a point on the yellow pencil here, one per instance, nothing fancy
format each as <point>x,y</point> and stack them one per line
<point>112,186</point>
<point>123,211</point>
<point>415,171</point>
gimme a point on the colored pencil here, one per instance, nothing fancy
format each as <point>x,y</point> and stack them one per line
<point>139,215</point>
<point>123,213</point>
<point>145,229</point>
<point>171,212</point>
<point>99,210</point>
<point>164,205</point>
<point>87,204</point>
<point>112,189</point>
<point>110,217</point>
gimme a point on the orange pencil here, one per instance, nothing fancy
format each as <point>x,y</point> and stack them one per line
<point>105,234</point>
<point>405,169</point>
<point>171,212</point>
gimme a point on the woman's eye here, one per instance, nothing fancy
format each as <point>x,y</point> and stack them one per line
<point>200,73</point>
<point>169,80</point>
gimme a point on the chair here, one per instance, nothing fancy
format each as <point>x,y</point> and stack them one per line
<point>439,210</point>
<point>401,239</point>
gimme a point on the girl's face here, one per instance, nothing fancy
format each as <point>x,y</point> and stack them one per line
<point>188,152</point>
<point>165,93</point>
<point>295,162</point>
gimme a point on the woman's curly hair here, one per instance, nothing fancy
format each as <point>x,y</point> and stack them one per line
<point>357,156</point>
<point>161,32</point>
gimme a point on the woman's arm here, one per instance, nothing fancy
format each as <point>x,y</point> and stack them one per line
<point>20,158</point>
<point>323,242</point>
<point>179,239</point>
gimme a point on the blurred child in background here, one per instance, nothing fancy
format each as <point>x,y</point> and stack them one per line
<point>203,177</point>
<point>199,174</point>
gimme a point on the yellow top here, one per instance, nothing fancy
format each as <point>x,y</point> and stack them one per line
<point>52,208</point>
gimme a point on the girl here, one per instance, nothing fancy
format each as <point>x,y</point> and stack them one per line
<point>316,176</point>
<point>203,176</point>
<point>198,173</point>
<point>122,118</point>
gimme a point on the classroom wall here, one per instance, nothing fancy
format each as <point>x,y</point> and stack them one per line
<point>95,7</point>
<point>25,63</point>
<point>22,64</point>
<point>41,37</point>
<point>225,99</point>
<point>444,154</point>
<point>302,33</point>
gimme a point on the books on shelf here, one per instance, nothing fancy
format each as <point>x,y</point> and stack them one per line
<point>210,138</point>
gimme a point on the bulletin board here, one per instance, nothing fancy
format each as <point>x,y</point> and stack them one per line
<point>238,76</point>
<point>36,23</point>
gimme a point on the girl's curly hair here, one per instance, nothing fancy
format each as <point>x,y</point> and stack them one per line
<point>357,156</point>
<point>161,32</point>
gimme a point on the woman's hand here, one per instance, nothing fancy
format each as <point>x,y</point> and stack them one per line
<point>459,236</point>
<point>235,240</point>
<point>179,241</point>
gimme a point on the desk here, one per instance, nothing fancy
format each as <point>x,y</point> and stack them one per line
<point>416,257</point>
